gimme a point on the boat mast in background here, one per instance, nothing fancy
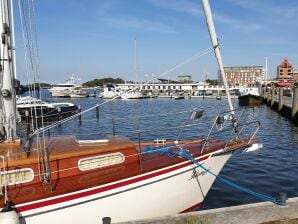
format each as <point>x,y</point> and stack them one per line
<point>266,69</point>
<point>135,66</point>
<point>215,45</point>
<point>8,104</point>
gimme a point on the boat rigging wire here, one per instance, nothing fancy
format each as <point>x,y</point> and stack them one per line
<point>188,60</point>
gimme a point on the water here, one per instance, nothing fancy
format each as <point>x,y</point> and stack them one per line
<point>271,170</point>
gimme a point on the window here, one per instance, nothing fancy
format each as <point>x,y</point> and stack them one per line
<point>18,176</point>
<point>100,161</point>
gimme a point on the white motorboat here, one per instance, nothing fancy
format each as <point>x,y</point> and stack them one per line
<point>78,93</point>
<point>31,107</point>
<point>63,89</point>
<point>131,94</point>
<point>110,91</point>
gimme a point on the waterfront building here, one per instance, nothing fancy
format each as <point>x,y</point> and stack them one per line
<point>184,78</point>
<point>287,72</point>
<point>243,75</point>
<point>194,88</point>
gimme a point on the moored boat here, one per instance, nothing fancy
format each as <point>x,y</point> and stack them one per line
<point>250,96</point>
<point>78,93</point>
<point>63,89</point>
<point>31,107</point>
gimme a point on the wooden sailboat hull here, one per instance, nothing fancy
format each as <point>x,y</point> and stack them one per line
<point>144,196</point>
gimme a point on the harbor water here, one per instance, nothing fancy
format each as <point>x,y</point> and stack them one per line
<point>269,170</point>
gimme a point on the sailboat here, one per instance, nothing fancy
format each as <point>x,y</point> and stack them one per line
<point>67,180</point>
<point>133,93</point>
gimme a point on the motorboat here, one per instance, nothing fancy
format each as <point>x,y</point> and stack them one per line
<point>132,94</point>
<point>250,96</point>
<point>63,89</point>
<point>110,91</point>
<point>78,93</point>
<point>33,108</point>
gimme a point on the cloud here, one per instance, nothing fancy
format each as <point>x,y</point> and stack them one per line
<point>184,6</point>
<point>279,9</point>
<point>140,24</point>
<point>239,24</point>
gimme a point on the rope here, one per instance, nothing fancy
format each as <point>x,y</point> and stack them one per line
<point>183,153</point>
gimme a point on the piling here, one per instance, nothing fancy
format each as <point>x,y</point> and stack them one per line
<point>268,95</point>
<point>272,96</point>
<point>294,103</point>
<point>280,101</point>
<point>59,115</point>
<point>97,112</point>
<point>80,115</point>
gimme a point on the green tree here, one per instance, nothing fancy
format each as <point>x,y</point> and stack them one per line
<point>101,82</point>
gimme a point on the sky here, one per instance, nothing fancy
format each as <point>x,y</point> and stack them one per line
<point>96,38</point>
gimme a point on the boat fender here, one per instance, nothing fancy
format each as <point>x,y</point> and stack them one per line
<point>5,93</point>
<point>196,115</point>
<point>8,215</point>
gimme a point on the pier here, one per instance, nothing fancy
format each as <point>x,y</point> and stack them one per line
<point>285,105</point>
<point>256,213</point>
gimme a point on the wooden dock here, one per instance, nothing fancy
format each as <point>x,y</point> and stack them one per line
<point>285,105</point>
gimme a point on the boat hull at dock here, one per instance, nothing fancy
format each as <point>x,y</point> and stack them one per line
<point>143,196</point>
<point>250,100</point>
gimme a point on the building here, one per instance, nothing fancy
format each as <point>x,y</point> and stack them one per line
<point>243,75</point>
<point>184,78</point>
<point>287,72</point>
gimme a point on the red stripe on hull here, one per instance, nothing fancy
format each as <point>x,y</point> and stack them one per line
<point>192,208</point>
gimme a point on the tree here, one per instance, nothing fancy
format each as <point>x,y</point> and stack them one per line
<point>101,82</point>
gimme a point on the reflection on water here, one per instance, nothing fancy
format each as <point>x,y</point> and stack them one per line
<point>271,170</point>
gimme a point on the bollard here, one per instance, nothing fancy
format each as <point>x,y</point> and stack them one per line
<point>280,100</point>
<point>106,220</point>
<point>97,112</point>
<point>294,102</point>
<point>272,96</point>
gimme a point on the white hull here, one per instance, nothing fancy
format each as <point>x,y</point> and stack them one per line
<point>59,93</point>
<point>83,95</point>
<point>164,192</point>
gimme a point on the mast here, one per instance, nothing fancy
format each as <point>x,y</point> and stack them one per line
<point>13,40</point>
<point>215,45</point>
<point>7,96</point>
<point>135,66</point>
<point>266,69</point>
